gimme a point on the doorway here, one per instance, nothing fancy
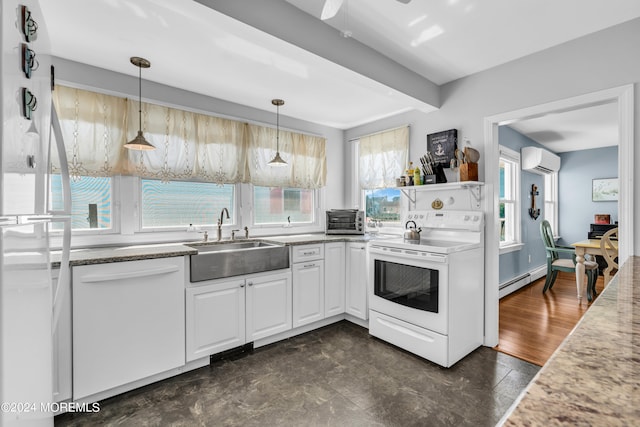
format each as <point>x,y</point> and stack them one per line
<point>623,97</point>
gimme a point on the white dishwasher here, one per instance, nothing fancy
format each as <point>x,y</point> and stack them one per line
<point>128,322</point>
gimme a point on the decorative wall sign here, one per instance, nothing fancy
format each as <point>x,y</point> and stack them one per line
<point>604,190</point>
<point>442,145</point>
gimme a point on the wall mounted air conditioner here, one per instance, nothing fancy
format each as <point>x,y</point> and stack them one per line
<point>538,160</point>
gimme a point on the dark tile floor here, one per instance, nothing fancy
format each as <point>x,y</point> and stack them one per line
<point>334,376</point>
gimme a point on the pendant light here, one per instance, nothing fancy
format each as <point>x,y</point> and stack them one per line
<point>139,143</point>
<point>277,160</point>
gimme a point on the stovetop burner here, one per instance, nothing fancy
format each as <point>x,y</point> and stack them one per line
<point>442,232</point>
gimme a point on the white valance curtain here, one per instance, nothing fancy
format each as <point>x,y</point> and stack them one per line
<point>94,126</point>
<point>382,157</point>
<point>189,146</point>
<point>304,154</point>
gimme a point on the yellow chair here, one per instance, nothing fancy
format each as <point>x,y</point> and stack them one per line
<point>610,254</point>
<point>555,263</point>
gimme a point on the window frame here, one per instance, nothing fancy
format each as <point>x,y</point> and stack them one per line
<point>359,195</point>
<point>263,228</point>
<point>233,222</point>
<point>513,158</point>
<point>115,214</point>
<point>551,201</point>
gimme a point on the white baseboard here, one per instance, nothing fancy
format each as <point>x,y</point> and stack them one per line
<point>513,285</point>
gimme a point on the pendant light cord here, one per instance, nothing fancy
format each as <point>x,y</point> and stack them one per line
<point>277,128</point>
<point>140,98</point>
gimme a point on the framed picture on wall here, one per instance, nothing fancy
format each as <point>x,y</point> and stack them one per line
<point>442,146</point>
<point>604,190</point>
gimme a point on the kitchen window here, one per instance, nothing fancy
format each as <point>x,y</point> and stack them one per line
<point>91,202</point>
<point>509,200</point>
<point>384,205</point>
<point>378,160</point>
<point>181,203</point>
<point>283,206</point>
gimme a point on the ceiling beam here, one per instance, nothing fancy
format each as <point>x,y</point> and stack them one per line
<point>288,23</point>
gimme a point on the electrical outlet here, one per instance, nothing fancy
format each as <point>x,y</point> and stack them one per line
<point>529,258</point>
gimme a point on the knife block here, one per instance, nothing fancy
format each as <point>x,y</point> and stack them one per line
<point>469,172</point>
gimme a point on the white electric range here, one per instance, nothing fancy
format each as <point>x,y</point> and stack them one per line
<point>428,296</point>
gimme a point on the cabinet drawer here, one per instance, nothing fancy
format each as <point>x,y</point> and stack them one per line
<point>307,252</point>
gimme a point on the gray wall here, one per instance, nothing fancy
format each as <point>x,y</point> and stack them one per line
<point>574,190</point>
<point>532,254</point>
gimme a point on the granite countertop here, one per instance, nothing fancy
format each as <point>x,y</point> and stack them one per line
<point>593,378</point>
<point>138,252</point>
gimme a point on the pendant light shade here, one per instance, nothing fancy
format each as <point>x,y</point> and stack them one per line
<point>139,143</point>
<point>277,160</point>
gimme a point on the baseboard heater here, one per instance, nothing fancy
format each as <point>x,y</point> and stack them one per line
<point>514,280</point>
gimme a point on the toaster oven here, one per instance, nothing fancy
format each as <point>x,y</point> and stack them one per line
<point>345,221</point>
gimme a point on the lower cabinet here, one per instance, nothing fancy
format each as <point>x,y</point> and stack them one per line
<point>215,318</point>
<point>334,278</point>
<point>308,292</point>
<point>268,305</point>
<point>356,277</point>
<point>227,313</point>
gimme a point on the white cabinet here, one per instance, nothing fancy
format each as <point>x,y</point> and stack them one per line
<point>227,313</point>
<point>356,280</point>
<point>308,292</point>
<point>334,278</point>
<point>215,318</point>
<point>128,322</point>
<point>62,368</point>
<point>268,305</point>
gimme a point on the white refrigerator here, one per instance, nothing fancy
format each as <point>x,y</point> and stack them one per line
<point>29,304</point>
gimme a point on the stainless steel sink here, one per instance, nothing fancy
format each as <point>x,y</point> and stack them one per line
<point>227,259</point>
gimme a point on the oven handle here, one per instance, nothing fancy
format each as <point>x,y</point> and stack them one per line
<point>408,254</point>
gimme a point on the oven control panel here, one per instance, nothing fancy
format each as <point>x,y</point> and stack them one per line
<point>455,220</point>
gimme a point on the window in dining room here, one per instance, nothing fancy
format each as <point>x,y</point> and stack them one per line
<point>509,198</point>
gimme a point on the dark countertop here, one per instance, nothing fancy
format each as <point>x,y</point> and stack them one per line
<point>592,378</point>
<point>105,255</point>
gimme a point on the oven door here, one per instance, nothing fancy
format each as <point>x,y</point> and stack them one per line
<point>410,285</point>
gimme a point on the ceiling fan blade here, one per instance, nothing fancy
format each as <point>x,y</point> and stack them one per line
<point>331,7</point>
<point>404,1</point>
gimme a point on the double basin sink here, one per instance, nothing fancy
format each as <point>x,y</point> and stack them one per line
<point>227,259</point>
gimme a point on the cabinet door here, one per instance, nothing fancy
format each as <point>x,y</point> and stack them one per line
<point>268,305</point>
<point>357,280</point>
<point>215,318</point>
<point>128,322</point>
<point>308,292</point>
<point>334,278</point>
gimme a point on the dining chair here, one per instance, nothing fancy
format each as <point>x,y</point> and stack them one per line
<point>555,263</point>
<point>610,254</point>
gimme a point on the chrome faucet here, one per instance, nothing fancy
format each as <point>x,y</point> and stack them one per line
<point>220,221</point>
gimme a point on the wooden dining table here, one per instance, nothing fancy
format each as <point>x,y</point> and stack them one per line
<point>583,247</point>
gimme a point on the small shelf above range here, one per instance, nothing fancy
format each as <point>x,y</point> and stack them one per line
<point>474,188</point>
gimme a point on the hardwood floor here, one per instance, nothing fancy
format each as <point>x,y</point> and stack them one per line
<point>533,324</point>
